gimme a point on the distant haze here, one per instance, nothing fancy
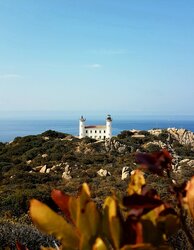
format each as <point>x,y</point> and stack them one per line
<point>68,58</point>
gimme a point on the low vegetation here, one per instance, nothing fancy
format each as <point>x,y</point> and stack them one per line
<point>20,181</point>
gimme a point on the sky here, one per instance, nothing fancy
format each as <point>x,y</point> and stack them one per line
<point>130,57</point>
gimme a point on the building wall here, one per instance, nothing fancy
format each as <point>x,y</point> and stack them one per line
<point>96,133</point>
<point>99,132</point>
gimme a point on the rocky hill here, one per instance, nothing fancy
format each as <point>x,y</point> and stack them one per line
<point>31,166</point>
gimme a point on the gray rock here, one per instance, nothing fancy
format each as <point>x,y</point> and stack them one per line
<point>125,173</point>
<point>183,161</point>
<point>37,169</point>
<point>191,163</point>
<point>112,145</point>
<point>44,156</point>
<point>53,167</point>
<point>103,172</point>
<point>66,176</point>
<point>67,168</point>
<point>48,170</point>
<point>43,169</point>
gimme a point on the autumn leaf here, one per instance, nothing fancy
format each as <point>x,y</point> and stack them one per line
<point>62,201</point>
<point>155,162</point>
<point>140,201</point>
<point>189,199</point>
<point>137,181</point>
<point>111,221</point>
<point>19,246</point>
<point>133,233</point>
<point>99,245</point>
<point>139,247</point>
<point>50,222</point>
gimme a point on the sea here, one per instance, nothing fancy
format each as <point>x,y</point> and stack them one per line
<point>9,129</point>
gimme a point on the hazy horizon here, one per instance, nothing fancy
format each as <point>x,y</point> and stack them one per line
<point>96,115</point>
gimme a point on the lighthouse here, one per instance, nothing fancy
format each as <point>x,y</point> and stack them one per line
<point>97,132</point>
<point>108,127</point>
<point>82,133</point>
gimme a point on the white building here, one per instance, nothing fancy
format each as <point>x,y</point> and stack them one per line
<point>98,132</point>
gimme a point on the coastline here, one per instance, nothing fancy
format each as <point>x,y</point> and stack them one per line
<point>9,129</point>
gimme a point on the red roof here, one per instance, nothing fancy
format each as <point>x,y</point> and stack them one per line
<point>97,126</point>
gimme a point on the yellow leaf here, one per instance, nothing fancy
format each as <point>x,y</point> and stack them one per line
<point>99,245</point>
<point>78,204</point>
<point>84,197</point>
<point>136,182</point>
<point>89,220</point>
<point>190,196</point>
<point>153,214</point>
<point>86,189</point>
<point>110,204</point>
<point>50,222</point>
<point>73,208</point>
<point>50,248</point>
<point>116,231</point>
<point>86,216</point>
<point>111,222</point>
<point>85,244</point>
<point>139,247</point>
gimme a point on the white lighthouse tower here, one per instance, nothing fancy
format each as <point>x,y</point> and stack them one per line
<point>82,132</point>
<point>108,127</point>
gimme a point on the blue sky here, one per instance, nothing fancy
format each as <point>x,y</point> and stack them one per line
<point>113,56</point>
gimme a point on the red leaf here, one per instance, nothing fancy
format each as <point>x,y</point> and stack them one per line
<point>19,246</point>
<point>168,211</point>
<point>139,201</point>
<point>62,201</point>
<point>133,231</point>
<point>155,162</point>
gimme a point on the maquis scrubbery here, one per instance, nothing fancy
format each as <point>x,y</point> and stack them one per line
<point>138,220</point>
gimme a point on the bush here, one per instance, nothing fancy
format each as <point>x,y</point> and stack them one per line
<point>53,134</point>
<point>125,134</point>
<point>27,235</point>
<point>163,136</point>
<point>151,147</point>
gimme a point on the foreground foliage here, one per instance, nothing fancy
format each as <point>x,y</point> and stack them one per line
<point>140,220</point>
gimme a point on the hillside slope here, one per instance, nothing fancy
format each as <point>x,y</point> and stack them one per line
<point>32,166</point>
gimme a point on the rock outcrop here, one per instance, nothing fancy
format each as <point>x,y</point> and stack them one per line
<point>125,173</point>
<point>43,169</point>
<point>112,145</point>
<point>103,173</point>
<point>183,136</point>
<point>66,174</point>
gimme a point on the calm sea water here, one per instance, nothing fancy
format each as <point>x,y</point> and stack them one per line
<point>9,129</point>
